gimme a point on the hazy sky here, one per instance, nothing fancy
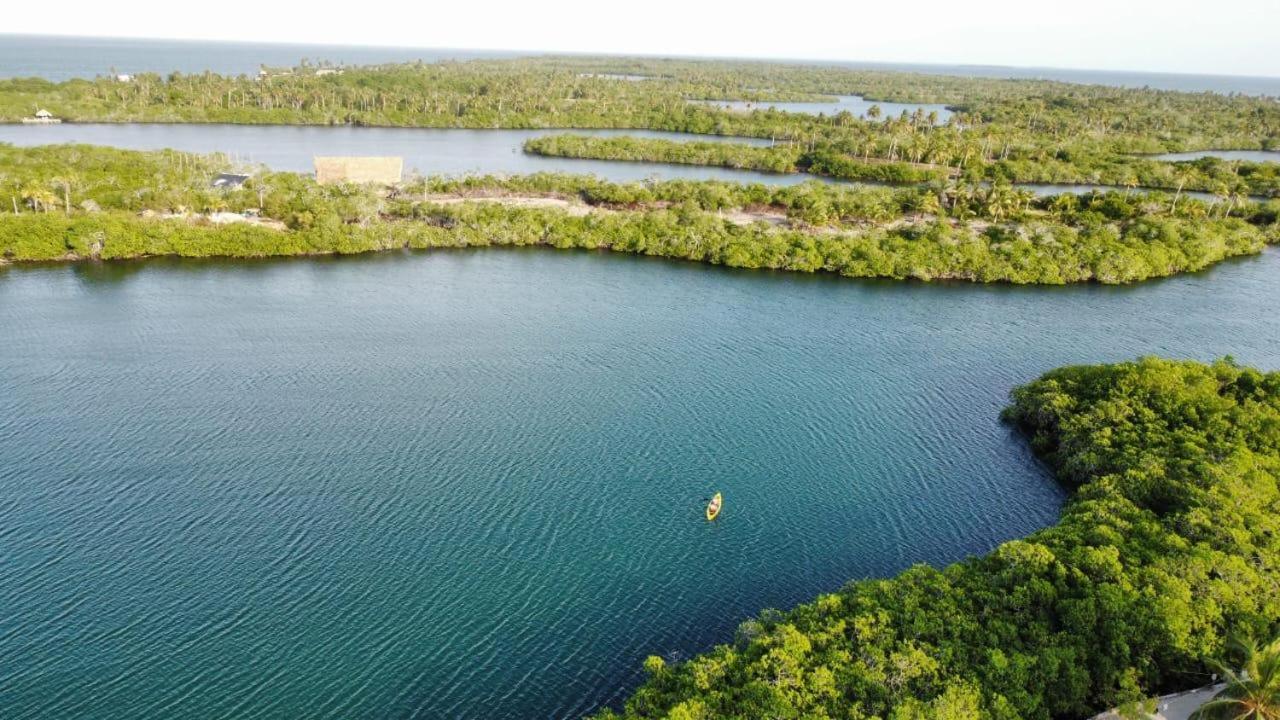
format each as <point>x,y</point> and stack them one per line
<point>1227,36</point>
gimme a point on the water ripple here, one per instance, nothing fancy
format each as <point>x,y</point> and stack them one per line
<point>462,485</point>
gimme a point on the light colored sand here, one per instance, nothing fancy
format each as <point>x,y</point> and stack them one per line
<point>573,208</point>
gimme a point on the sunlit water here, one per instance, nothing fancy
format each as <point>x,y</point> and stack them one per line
<point>470,483</point>
<point>430,151</point>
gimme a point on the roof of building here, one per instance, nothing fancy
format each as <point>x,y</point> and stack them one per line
<point>386,170</point>
<point>228,180</point>
<point>42,113</point>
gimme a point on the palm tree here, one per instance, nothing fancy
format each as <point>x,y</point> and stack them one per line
<point>1253,693</point>
<point>1221,192</point>
<point>65,181</point>
<point>4,181</point>
<point>1064,205</point>
<point>1183,174</point>
<point>1003,201</point>
<point>1130,182</point>
<point>38,196</point>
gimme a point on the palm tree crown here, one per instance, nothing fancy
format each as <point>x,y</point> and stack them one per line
<point>1253,693</point>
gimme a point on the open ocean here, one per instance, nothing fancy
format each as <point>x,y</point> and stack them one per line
<point>63,58</point>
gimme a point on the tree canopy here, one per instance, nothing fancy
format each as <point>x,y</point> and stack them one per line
<point>1169,542</point>
<point>1017,130</point>
<point>70,202</point>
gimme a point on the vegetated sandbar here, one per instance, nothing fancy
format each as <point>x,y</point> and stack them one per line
<point>79,202</point>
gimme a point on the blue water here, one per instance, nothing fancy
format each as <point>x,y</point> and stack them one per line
<point>470,483</point>
<point>62,58</point>
<point>1260,156</point>
<point>430,151</point>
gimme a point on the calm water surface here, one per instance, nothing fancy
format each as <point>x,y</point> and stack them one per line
<point>1260,156</point>
<point>64,58</point>
<point>469,484</point>
<point>431,151</point>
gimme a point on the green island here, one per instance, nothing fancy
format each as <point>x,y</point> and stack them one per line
<point>1169,544</point>
<point>78,202</point>
<point>776,159</point>
<point>1029,131</point>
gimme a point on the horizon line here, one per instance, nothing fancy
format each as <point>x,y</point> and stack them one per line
<point>529,52</point>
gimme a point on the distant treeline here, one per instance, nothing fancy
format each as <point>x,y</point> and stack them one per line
<point>1230,180</point>
<point>776,159</point>
<point>1017,130</point>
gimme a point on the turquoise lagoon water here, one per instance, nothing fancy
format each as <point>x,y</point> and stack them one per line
<point>470,483</point>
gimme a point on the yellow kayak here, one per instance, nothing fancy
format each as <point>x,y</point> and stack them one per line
<point>713,507</point>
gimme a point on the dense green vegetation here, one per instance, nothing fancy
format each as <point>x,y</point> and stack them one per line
<point>1038,252</point>
<point>812,203</point>
<point>568,92</point>
<point>1251,692</point>
<point>1231,181</point>
<point>1170,541</point>
<point>66,177</point>
<point>776,159</point>
<point>1017,130</point>
<point>821,204</point>
<point>81,201</point>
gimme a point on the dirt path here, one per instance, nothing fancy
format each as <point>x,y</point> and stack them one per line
<point>1177,706</point>
<point>772,217</point>
<point>576,209</point>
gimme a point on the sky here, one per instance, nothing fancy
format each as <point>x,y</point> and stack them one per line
<point>1233,37</point>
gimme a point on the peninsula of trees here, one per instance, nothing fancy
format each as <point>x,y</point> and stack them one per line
<point>78,202</point>
<point>1169,544</point>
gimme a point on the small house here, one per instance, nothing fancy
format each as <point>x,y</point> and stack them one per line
<point>228,181</point>
<point>381,170</point>
<point>124,78</point>
<point>42,117</point>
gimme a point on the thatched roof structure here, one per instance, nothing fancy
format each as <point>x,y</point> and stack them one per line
<point>384,170</point>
